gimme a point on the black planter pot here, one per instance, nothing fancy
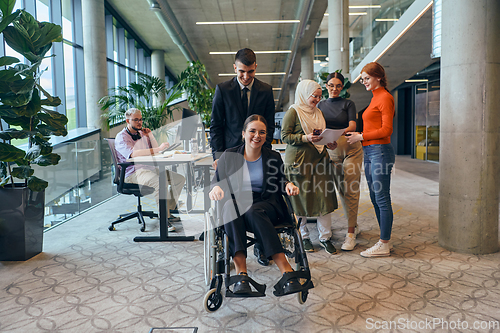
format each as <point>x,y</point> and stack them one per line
<point>21,222</point>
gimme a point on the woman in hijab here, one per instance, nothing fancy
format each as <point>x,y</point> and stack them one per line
<point>307,164</point>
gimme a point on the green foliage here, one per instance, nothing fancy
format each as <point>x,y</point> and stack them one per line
<point>193,80</point>
<point>347,84</point>
<point>140,95</point>
<point>20,102</point>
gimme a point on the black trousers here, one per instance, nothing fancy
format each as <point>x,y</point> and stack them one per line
<point>260,220</point>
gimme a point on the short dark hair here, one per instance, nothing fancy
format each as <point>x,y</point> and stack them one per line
<point>335,75</point>
<point>246,57</point>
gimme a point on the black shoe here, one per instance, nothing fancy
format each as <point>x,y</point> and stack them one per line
<point>174,218</point>
<point>292,286</point>
<point>261,258</point>
<point>242,287</point>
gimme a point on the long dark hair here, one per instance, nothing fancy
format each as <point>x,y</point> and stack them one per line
<point>254,117</point>
<point>335,75</point>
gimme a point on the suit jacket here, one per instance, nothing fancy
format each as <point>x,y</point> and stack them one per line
<point>229,171</point>
<point>228,118</point>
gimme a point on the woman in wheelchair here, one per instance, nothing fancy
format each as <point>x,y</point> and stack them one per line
<point>250,182</point>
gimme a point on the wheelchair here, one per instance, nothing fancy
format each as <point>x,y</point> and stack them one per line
<point>217,260</point>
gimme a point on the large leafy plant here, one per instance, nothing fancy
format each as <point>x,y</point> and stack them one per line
<point>140,95</point>
<point>193,80</point>
<point>21,104</point>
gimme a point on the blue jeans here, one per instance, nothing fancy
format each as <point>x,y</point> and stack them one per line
<point>378,161</point>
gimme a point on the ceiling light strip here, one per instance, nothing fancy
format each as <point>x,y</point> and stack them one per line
<point>248,22</point>
<point>387,20</point>
<point>256,52</point>
<point>358,13</point>
<point>365,6</point>
<point>399,36</point>
<point>417,80</point>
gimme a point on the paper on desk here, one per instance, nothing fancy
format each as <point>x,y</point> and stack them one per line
<point>172,153</point>
<point>329,136</point>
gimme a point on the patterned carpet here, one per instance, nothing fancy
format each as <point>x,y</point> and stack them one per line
<point>89,279</point>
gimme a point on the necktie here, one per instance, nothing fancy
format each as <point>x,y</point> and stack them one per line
<point>244,100</point>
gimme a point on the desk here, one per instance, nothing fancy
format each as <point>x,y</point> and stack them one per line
<point>161,162</point>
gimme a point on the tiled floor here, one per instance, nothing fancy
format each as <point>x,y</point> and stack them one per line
<point>89,279</point>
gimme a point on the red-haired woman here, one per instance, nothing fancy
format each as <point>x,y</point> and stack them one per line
<point>378,152</point>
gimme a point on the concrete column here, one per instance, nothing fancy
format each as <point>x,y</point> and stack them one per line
<point>94,55</point>
<point>291,94</point>
<point>338,36</point>
<point>469,161</point>
<point>307,63</point>
<point>158,70</point>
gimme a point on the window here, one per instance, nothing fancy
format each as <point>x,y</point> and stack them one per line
<point>69,74</point>
<point>67,19</point>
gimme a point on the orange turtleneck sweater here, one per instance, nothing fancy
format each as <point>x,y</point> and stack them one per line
<point>378,117</point>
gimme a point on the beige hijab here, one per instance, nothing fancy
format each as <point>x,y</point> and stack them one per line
<point>310,117</point>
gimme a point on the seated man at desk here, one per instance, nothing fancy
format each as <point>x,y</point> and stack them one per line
<point>135,140</point>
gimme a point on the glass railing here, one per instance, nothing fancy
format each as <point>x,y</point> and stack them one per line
<point>81,180</point>
<point>369,21</point>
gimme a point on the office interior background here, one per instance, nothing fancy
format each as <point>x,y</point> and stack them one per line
<point>442,59</point>
<point>109,43</point>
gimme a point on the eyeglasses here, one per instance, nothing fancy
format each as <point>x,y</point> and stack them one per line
<point>136,119</point>
<point>366,79</point>
<point>338,86</point>
<point>314,96</point>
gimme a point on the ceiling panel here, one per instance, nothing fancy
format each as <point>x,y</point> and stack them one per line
<point>207,38</point>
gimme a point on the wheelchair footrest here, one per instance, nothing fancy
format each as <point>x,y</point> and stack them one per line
<point>260,288</point>
<point>279,288</point>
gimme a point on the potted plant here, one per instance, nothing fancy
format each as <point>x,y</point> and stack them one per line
<point>140,95</point>
<point>28,115</point>
<point>194,81</point>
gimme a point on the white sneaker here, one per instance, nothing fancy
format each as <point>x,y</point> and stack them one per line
<point>378,250</point>
<point>349,242</point>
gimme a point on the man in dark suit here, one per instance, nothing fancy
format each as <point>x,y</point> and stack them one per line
<point>229,110</point>
<point>233,102</point>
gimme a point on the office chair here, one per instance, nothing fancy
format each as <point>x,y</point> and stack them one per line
<point>129,189</point>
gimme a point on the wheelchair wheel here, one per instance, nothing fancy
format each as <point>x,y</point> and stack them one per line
<point>302,296</point>
<point>213,300</point>
<point>287,243</point>
<point>209,246</point>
